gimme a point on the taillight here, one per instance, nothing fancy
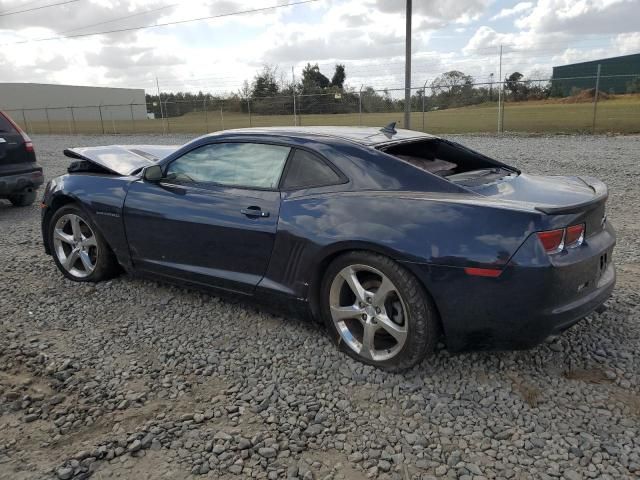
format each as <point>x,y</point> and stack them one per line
<point>552,240</point>
<point>28,144</point>
<point>575,236</point>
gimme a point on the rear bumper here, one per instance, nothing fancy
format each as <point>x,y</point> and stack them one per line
<point>535,296</point>
<point>18,181</point>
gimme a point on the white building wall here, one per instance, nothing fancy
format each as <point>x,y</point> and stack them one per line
<point>33,102</point>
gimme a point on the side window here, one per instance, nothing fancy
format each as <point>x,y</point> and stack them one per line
<point>253,165</point>
<point>307,170</point>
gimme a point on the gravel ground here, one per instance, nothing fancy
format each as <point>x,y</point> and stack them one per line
<point>135,379</point>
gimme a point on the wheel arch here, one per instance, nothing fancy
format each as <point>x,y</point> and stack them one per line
<point>59,201</point>
<point>328,255</point>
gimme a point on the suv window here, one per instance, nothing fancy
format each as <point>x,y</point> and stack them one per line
<point>252,165</point>
<point>307,170</point>
<point>5,125</point>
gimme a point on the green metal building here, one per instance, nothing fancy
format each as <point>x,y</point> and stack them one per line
<point>616,75</point>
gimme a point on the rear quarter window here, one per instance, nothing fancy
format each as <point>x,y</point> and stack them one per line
<point>5,125</point>
<point>307,170</point>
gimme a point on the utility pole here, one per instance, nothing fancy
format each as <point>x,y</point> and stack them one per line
<point>500,93</point>
<point>407,69</point>
<point>160,102</point>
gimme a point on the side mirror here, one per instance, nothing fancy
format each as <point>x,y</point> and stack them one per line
<point>152,173</point>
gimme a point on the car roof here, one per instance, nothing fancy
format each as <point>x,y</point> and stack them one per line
<point>363,135</point>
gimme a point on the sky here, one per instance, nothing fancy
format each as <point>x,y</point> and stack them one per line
<point>367,36</point>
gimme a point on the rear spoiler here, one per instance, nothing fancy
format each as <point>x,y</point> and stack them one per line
<point>600,191</point>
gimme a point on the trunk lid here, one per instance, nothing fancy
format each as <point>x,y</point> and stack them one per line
<point>553,195</point>
<point>122,159</point>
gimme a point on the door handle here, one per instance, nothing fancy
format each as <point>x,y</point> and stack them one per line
<point>254,212</point>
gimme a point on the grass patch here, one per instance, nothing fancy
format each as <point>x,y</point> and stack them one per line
<point>620,114</point>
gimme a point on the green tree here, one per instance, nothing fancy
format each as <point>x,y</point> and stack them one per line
<point>265,83</point>
<point>313,81</point>
<point>339,77</point>
<point>518,88</point>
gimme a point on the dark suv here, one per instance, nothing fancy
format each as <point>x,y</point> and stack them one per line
<point>20,175</point>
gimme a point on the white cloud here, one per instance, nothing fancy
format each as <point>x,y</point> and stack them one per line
<point>366,35</point>
<point>627,43</point>
<point>585,17</point>
<point>515,10</point>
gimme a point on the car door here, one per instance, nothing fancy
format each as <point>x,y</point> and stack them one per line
<point>212,220</point>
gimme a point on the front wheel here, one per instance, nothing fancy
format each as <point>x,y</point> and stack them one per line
<point>78,249</point>
<point>377,311</point>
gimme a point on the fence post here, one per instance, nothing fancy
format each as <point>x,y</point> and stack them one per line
<point>295,119</point>
<point>24,122</point>
<point>101,120</point>
<point>206,114</point>
<point>46,113</point>
<point>73,121</point>
<point>360,106</point>
<point>500,84</point>
<point>133,121</point>
<point>249,109</point>
<point>424,94</point>
<point>595,101</point>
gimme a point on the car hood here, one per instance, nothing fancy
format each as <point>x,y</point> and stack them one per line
<point>122,159</point>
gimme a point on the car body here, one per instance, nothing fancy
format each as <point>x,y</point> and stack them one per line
<point>473,235</point>
<point>20,175</point>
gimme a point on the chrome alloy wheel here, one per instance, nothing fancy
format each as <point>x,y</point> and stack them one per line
<point>75,245</point>
<point>368,312</point>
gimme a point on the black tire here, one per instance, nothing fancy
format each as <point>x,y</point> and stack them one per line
<point>106,265</point>
<point>23,199</point>
<point>421,318</point>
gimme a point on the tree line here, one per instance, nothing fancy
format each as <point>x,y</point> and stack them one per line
<point>271,92</point>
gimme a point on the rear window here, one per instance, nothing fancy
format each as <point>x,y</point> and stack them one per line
<point>307,170</point>
<point>448,159</point>
<point>5,125</point>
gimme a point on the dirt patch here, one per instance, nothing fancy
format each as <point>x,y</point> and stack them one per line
<point>588,375</point>
<point>629,400</point>
<point>585,96</point>
<point>529,392</point>
<point>152,465</point>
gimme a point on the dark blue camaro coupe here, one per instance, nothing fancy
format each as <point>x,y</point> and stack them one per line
<point>393,238</point>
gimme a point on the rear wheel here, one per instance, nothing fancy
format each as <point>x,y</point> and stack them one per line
<point>377,311</point>
<point>80,252</point>
<point>22,199</point>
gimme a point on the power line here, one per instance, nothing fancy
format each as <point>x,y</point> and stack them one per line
<point>25,4</point>
<point>157,25</point>
<point>38,8</point>
<point>126,17</point>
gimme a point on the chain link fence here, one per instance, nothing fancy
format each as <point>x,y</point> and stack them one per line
<point>509,106</point>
